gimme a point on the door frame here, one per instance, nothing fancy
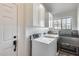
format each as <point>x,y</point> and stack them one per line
<point>21,30</point>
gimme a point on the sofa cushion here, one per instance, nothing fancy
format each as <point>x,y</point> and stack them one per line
<point>74,33</point>
<point>68,46</point>
<point>65,32</point>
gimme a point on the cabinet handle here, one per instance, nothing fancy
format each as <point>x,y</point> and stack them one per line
<point>14,43</point>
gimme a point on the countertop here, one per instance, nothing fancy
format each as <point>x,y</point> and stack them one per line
<point>45,40</point>
<point>51,35</point>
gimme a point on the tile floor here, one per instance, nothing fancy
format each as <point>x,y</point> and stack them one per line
<point>65,54</point>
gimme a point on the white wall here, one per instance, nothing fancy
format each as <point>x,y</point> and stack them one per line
<point>78,17</point>
<point>72,13</point>
<point>28,16</point>
<point>29,29</point>
<point>46,19</point>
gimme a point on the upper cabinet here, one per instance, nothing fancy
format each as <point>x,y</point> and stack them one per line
<point>41,15</point>
<point>48,19</point>
<point>35,14</point>
<point>38,15</point>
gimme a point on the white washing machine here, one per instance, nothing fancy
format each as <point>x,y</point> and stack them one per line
<point>44,46</point>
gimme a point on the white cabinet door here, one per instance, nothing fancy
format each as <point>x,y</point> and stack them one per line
<point>41,15</point>
<point>38,15</point>
<point>35,14</point>
<point>8,29</point>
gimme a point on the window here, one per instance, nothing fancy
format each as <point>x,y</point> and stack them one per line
<point>63,23</point>
<point>50,20</point>
<point>69,23</point>
<point>57,24</point>
<point>66,23</point>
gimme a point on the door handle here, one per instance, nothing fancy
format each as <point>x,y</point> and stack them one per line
<point>15,43</point>
<point>14,37</point>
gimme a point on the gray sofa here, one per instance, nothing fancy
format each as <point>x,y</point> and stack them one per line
<point>69,41</point>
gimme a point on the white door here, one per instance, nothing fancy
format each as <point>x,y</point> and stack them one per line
<point>8,29</point>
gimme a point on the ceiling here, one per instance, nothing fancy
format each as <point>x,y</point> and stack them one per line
<point>56,8</point>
